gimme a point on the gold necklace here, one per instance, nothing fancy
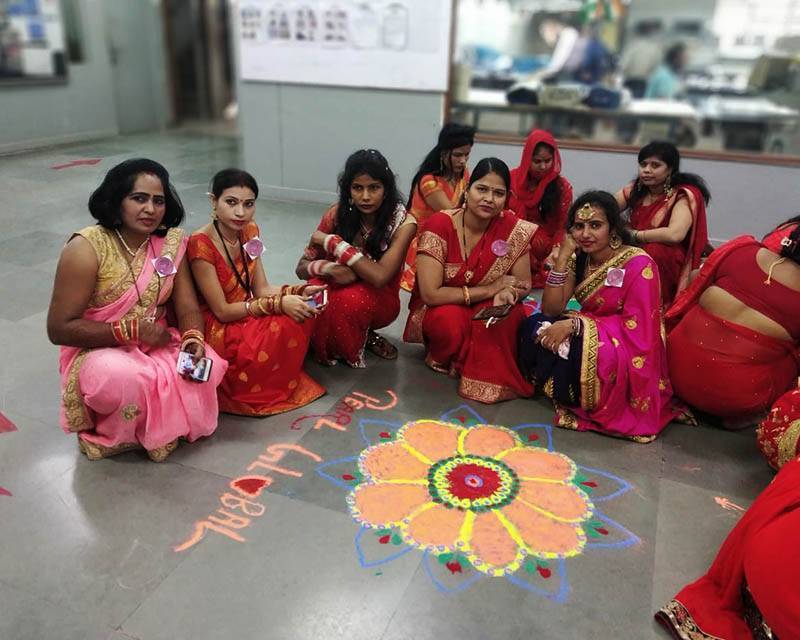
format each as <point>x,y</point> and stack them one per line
<point>130,251</point>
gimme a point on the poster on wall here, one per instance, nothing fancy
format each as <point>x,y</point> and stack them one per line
<point>386,44</point>
<point>31,40</point>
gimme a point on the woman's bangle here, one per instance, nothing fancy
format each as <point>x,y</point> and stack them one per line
<point>556,278</point>
<point>467,299</point>
<point>577,326</point>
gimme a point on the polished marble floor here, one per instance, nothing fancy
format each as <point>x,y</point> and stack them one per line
<point>88,549</point>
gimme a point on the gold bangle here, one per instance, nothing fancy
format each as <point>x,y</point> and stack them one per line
<point>467,299</point>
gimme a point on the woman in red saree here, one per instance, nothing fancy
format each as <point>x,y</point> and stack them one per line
<point>778,435</point>
<point>750,592</point>
<point>733,334</point>
<point>540,194</point>
<point>668,215</point>
<point>469,259</point>
<point>121,388</point>
<point>439,184</point>
<point>605,367</point>
<point>262,330</point>
<point>357,250</point>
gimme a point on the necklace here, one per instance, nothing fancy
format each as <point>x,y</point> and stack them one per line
<point>149,317</point>
<point>470,272</point>
<point>774,264</point>
<point>244,277</point>
<point>130,251</point>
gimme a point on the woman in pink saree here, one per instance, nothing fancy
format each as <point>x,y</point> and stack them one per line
<point>121,388</point>
<point>605,367</point>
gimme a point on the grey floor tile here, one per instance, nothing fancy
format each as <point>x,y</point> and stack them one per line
<point>296,577</point>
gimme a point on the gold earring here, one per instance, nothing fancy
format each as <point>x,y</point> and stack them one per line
<point>213,214</point>
<point>615,242</point>
<point>668,186</point>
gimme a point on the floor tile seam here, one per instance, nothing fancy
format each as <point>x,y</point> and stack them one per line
<point>406,589</point>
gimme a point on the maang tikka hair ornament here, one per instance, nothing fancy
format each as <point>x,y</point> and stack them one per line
<point>585,212</point>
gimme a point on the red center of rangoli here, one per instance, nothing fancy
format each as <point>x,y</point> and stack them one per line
<point>473,481</point>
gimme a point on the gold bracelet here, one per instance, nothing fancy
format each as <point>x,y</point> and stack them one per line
<point>467,299</point>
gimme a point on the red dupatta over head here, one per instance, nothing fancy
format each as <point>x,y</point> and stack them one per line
<point>522,198</point>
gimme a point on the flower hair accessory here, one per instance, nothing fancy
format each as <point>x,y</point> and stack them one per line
<point>786,242</point>
<point>254,248</point>
<point>164,266</point>
<point>500,248</point>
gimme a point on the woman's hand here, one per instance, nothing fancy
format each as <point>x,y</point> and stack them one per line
<point>342,275</point>
<point>314,289</point>
<point>318,237</point>
<point>196,350</point>
<point>550,260</point>
<point>555,334</point>
<point>296,308</point>
<point>568,247</point>
<point>153,334</point>
<point>511,282</point>
<point>505,296</point>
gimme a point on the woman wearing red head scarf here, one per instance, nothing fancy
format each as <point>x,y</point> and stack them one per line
<point>540,194</point>
<point>750,591</point>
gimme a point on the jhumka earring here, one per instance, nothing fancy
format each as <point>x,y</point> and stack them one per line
<point>615,242</point>
<point>668,186</point>
<point>585,212</point>
<point>213,214</point>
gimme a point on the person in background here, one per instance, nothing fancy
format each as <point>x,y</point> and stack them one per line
<point>559,33</point>
<point>358,250</point>
<point>121,388</point>
<point>439,184</point>
<point>262,330</point>
<point>750,591</point>
<point>667,215</point>
<point>470,259</point>
<point>540,194</point>
<point>733,333</point>
<point>641,57</point>
<point>605,368</point>
<point>666,82</point>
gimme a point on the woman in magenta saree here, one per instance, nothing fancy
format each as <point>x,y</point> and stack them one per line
<point>470,259</point>
<point>605,367</point>
<point>120,386</point>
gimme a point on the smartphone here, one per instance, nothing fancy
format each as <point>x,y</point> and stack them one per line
<point>199,371</point>
<point>318,300</point>
<point>500,311</point>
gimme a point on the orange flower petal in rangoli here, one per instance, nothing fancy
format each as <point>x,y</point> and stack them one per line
<point>476,490</point>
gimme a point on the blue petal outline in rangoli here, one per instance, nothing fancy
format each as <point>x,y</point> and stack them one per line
<point>628,538</point>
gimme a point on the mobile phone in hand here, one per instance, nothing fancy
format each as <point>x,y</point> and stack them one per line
<point>198,371</point>
<point>500,311</point>
<point>318,300</point>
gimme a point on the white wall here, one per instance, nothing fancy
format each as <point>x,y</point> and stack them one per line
<point>745,198</point>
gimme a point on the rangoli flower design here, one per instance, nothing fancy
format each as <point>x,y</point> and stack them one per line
<point>478,500</point>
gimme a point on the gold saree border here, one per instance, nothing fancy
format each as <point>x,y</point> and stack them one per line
<point>414,325</point>
<point>519,241</point>
<point>590,382</point>
<point>787,443</point>
<point>486,392</point>
<point>591,285</point>
<point>74,409</point>
<point>682,623</point>
<point>432,245</point>
<point>150,295</point>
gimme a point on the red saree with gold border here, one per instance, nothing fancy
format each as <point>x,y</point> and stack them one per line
<point>265,355</point>
<point>484,358</point>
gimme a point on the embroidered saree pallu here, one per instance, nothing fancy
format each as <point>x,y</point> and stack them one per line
<point>428,184</point>
<point>615,379</point>
<point>484,357</point>
<point>128,397</point>
<point>265,355</point>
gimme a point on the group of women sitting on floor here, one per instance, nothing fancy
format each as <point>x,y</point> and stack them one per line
<point>160,331</point>
<point>126,303</point>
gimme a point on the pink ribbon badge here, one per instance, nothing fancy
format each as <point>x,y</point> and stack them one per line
<point>500,248</point>
<point>254,248</point>
<point>164,266</point>
<point>614,277</point>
